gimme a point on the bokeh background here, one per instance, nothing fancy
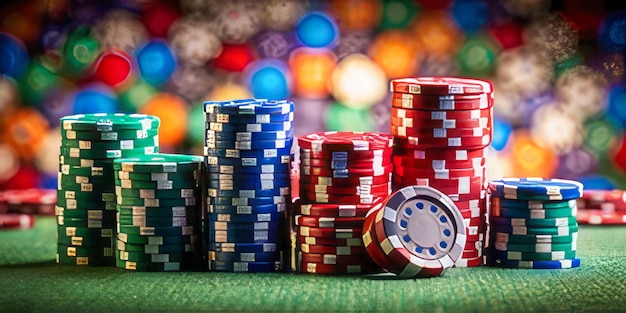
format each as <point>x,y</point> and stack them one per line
<point>557,68</point>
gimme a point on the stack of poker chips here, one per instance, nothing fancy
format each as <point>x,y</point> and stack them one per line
<point>441,127</point>
<point>159,205</point>
<point>28,201</point>
<point>85,207</point>
<point>533,223</point>
<point>602,207</point>
<point>248,159</point>
<point>343,175</point>
<point>418,232</point>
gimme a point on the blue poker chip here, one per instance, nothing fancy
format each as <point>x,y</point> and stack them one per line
<point>249,145</point>
<point>248,119</point>
<point>248,136</point>
<point>249,107</point>
<point>276,153</point>
<point>249,193</point>
<point>250,127</point>
<point>556,264</point>
<point>264,168</point>
<point>243,235</point>
<point>238,182</point>
<point>248,162</point>
<point>272,217</point>
<point>243,256</point>
<point>243,226</point>
<point>264,247</point>
<point>245,201</point>
<point>246,209</point>
<point>536,189</point>
<point>245,267</point>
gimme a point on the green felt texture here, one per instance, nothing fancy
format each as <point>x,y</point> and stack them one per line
<point>598,286</point>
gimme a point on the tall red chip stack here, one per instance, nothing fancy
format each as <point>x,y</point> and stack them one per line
<point>343,175</point>
<point>441,127</point>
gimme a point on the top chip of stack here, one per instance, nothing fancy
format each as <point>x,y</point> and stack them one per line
<point>248,159</point>
<point>533,223</point>
<point>158,211</point>
<point>86,188</point>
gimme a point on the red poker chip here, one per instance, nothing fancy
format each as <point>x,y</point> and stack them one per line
<point>16,221</point>
<point>28,201</point>
<point>473,221</point>
<point>598,217</point>
<point>416,172</point>
<point>471,254</point>
<point>342,164</point>
<point>434,132</point>
<point>474,204</point>
<point>440,154</point>
<point>449,123</point>
<point>468,197</point>
<point>321,241</point>
<point>447,102</point>
<point>440,86</point>
<point>345,182</point>
<point>469,189</point>
<point>455,183</point>
<point>345,141</point>
<point>308,197</point>
<point>330,233</point>
<point>406,161</point>
<point>608,200</point>
<point>336,250</point>
<point>457,142</point>
<point>469,262</point>
<point>336,269</point>
<point>332,258</point>
<point>347,172</point>
<point>337,210</point>
<point>470,213</point>
<point>355,190</point>
<point>350,156</point>
<point>330,222</point>
<point>405,115</point>
<point>371,242</point>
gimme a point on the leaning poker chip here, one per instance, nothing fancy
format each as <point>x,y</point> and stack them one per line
<point>433,250</point>
<point>411,142</point>
<point>533,239</point>
<point>127,144</point>
<point>548,222</point>
<point>533,204</point>
<point>522,230</point>
<point>355,190</point>
<point>335,269</point>
<point>350,242</point>
<point>109,122</point>
<point>329,222</point>
<point>347,155</point>
<point>247,136</point>
<point>345,141</point>
<point>598,217</point>
<point>157,240</point>
<point>333,250</point>
<point>535,189</point>
<point>106,136</point>
<point>249,127</point>
<point>370,241</point>
<point>436,132</point>
<point>444,102</point>
<point>531,256</point>
<point>350,181</point>
<point>245,267</point>
<point>161,163</point>
<point>236,247</point>
<point>336,210</point>
<point>106,154</point>
<point>556,264</point>
<point>539,248</point>
<point>16,221</point>
<point>243,256</point>
<point>531,214</point>
<point>248,145</point>
<point>438,86</point>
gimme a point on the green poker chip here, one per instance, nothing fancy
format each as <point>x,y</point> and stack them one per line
<point>91,154</point>
<point>160,163</point>
<point>152,193</point>
<point>104,136</point>
<point>108,122</point>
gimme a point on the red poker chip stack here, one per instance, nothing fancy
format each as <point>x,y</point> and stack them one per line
<point>602,207</point>
<point>33,201</point>
<point>441,127</point>
<point>343,175</point>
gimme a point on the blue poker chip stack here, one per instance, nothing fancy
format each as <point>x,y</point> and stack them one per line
<point>533,223</point>
<point>248,159</point>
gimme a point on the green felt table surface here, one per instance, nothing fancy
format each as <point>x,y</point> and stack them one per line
<point>40,285</point>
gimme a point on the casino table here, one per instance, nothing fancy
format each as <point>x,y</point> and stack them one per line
<point>32,282</point>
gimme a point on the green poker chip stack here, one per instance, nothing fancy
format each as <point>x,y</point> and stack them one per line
<point>158,207</point>
<point>86,200</point>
